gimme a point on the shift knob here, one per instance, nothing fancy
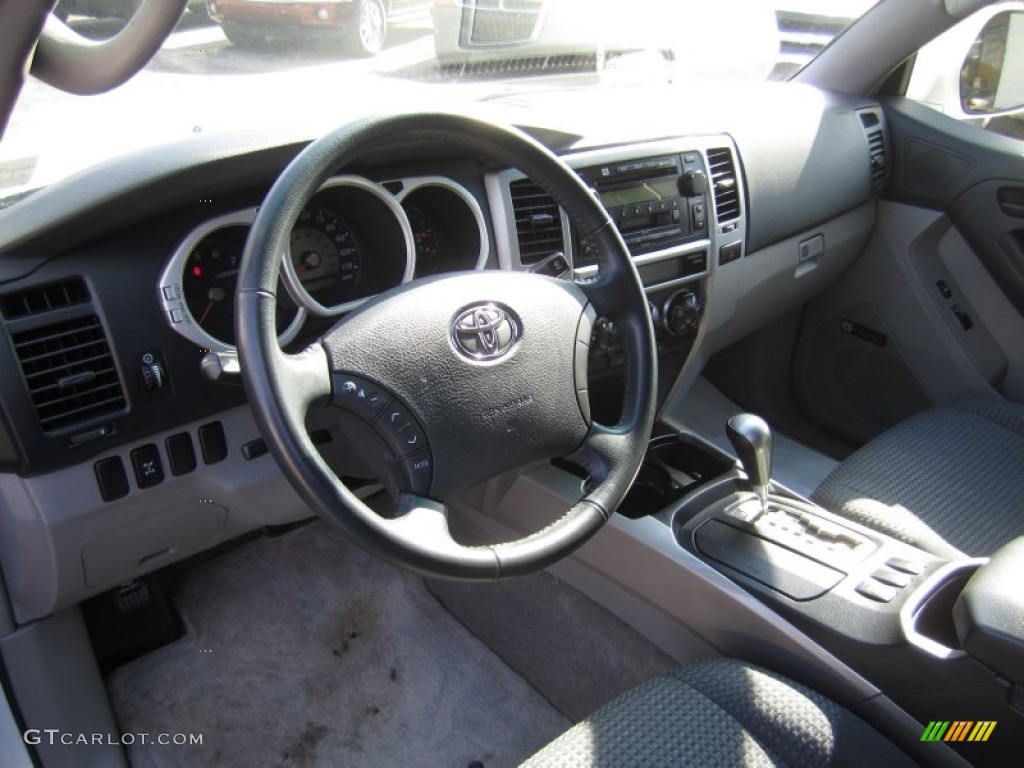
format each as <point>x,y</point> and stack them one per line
<point>751,437</point>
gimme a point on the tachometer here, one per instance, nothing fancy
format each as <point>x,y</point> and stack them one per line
<point>208,282</point>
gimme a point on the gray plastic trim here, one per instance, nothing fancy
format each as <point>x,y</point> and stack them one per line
<point>13,752</point>
<point>57,685</point>
<point>55,527</point>
<point>917,598</point>
<point>637,570</point>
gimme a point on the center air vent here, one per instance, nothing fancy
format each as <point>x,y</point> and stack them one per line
<point>724,184</point>
<point>538,221</point>
<point>69,372</point>
<point>44,298</point>
<point>875,133</point>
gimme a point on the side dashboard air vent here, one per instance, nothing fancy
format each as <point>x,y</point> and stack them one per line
<point>69,372</point>
<point>43,298</point>
<point>874,131</point>
<point>724,184</point>
<point>538,221</point>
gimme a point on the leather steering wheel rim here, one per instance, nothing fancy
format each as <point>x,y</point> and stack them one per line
<point>283,387</point>
<point>76,64</point>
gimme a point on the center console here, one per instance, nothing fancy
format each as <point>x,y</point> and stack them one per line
<point>942,639</point>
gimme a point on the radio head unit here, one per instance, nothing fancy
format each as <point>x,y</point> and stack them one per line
<point>656,202</point>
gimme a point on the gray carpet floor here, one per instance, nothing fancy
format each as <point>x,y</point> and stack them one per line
<point>304,651</point>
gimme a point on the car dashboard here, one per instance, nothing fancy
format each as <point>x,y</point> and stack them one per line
<point>125,440</point>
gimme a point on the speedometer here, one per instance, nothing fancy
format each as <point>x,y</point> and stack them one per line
<point>326,255</point>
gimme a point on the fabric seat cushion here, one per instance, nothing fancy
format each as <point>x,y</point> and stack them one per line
<point>719,713</point>
<point>948,480</point>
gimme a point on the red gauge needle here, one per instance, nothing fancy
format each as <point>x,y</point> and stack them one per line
<point>206,311</point>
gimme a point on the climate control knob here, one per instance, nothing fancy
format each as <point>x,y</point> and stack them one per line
<point>682,313</point>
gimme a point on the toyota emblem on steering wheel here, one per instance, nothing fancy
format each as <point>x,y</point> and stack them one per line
<point>484,332</point>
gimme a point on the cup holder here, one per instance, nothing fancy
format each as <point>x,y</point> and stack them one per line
<point>674,466</point>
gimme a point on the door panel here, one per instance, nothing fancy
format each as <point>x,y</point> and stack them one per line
<point>933,310</point>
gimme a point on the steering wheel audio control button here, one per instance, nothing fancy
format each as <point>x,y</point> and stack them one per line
<point>417,470</point>
<point>363,398</point>
<point>399,430</point>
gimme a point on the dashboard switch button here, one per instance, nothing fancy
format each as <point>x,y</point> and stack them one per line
<point>892,577</point>
<point>181,456</point>
<point>213,443</point>
<point>875,590</point>
<point>111,477</point>
<point>148,469</point>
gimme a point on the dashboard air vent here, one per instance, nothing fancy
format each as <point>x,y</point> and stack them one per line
<point>724,184</point>
<point>43,298</point>
<point>69,372</point>
<point>875,133</point>
<point>538,221</point>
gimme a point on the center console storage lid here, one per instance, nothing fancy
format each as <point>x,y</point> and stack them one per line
<point>989,614</point>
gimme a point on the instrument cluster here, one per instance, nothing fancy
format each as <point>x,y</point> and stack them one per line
<point>354,239</point>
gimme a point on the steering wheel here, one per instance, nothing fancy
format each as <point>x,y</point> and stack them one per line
<point>462,376</point>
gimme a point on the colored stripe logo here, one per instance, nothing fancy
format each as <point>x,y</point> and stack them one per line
<point>958,730</point>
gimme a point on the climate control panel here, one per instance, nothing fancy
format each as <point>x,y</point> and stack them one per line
<point>675,318</point>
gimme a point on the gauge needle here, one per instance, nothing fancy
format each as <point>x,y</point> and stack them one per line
<point>206,311</point>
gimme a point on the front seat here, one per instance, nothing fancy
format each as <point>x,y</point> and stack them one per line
<point>720,712</point>
<point>948,480</point>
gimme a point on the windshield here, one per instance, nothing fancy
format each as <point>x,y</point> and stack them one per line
<point>237,64</point>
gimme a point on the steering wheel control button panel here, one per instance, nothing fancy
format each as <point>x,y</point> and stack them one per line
<point>213,443</point>
<point>412,465</point>
<point>363,398</point>
<point>111,478</point>
<point>148,469</point>
<point>399,430</point>
<point>416,471</point>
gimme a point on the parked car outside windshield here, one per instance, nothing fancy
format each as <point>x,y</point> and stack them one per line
<point>202,81</point>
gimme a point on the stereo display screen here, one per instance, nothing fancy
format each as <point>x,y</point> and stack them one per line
<point>650,191</point>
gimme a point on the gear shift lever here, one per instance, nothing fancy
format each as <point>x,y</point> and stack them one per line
<point>751,437</point>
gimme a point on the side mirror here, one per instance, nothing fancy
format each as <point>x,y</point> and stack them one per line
<point>992,74</point>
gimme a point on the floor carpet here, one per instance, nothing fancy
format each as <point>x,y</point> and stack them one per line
<point>304,651</point>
